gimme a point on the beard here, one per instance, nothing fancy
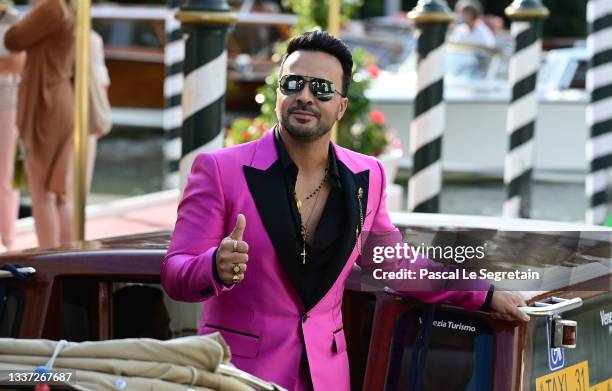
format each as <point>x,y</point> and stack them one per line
<point>304,131</point>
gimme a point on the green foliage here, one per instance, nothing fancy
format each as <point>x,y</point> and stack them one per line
<point>567,19</point>
<point>244,130</point>
<point>371,9</point>
<point>266,96</point>
<point>312,14</point>
<point>369,137</point>
<point>359,105</point>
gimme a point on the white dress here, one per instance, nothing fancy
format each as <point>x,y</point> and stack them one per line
<point>480,36</point>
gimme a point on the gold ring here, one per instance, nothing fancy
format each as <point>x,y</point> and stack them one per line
<point>236,268</point>
<point>236,279</point>
<point>235,245</point>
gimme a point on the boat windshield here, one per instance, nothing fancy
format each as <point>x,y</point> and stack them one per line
<point>466,63</point>
<point>126,33</point>
<point>467,66</point>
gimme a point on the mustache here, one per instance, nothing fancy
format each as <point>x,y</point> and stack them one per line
<point>303,107</point>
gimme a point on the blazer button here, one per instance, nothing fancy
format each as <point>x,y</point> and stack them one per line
<point>304,318</point>
<point>206,291</point>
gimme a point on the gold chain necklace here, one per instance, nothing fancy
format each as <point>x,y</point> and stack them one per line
<point>303,229</point>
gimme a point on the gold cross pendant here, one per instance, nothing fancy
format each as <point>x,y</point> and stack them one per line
<point>304,236</point>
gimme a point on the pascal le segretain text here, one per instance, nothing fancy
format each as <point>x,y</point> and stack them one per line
<point>457,274</point>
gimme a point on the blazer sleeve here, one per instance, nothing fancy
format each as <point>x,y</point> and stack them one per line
<point>187,272</point>
<point>383,232</point>
<point>43,20</point>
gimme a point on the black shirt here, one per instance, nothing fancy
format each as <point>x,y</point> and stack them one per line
<point>328,233</point>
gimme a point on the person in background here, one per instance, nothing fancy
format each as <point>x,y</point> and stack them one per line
<point>98,71</point>
<point>471,30</point>
<point>45,115</point>
<point>11,65</point>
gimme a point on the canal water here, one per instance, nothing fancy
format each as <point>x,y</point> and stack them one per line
<point>133,165</point>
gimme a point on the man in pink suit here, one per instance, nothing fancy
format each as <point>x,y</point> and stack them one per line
<point>290,206</point>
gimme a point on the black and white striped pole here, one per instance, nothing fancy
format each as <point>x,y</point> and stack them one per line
<point>527,19</point>
<point>431,18</point>
<point>599,111</point>
<point>206,24</point>
<point>174,55</point>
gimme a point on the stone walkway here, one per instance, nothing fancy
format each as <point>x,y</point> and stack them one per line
<point>147,213</point>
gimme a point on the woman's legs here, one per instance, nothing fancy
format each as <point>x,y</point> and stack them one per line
<point>91,160</point>
<point>44,208</point>
<point>9,197</point>
<point>65,212</point>
<point>65,205</point>
<point>65,208</point>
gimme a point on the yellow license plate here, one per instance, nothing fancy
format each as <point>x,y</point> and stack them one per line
<point>604,386</point>
<point>574,378</point>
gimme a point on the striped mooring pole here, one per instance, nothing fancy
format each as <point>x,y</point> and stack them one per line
<point>599,111</point>
<point>431,18</point>
<point>206,24</point>
<point>527,19</point>
<point>174,55</point>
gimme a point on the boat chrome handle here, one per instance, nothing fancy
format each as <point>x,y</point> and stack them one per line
<point>547,309</point>
<point>24,270</point>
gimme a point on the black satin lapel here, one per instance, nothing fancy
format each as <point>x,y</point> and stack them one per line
<point>270,195</point>
<point>350,186</point>
<point>351,183</point>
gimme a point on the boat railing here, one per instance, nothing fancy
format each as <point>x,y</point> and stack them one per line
<point>557,306</point>
<point>23,270</point>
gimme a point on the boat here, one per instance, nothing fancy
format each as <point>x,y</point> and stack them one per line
<point>477,96</point>
<point>394,343</point>
<point>134,42</point>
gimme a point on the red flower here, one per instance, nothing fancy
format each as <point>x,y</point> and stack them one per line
<point>246,136</point>
<point>377,117</point>
<point>374,71</point>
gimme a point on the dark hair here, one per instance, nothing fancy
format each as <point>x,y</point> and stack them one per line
<point>472,10</point>
<point>321,41</point>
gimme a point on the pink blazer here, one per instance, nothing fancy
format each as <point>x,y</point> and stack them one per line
<point>263,319</point>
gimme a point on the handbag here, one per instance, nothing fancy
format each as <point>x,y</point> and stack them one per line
<point>100,121</point>
<point>10,17</point>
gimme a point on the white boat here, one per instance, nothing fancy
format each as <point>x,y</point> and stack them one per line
<point>477,96</point>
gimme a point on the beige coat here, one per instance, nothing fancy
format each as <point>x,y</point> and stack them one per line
<point>46,100</point>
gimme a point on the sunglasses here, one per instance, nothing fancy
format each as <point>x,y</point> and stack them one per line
<point>321,89</point>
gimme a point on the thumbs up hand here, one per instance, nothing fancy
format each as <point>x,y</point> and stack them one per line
<point>232,255</point>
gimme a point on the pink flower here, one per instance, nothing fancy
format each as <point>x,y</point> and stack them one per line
<point>377,117</point>
<point>373,71</point>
